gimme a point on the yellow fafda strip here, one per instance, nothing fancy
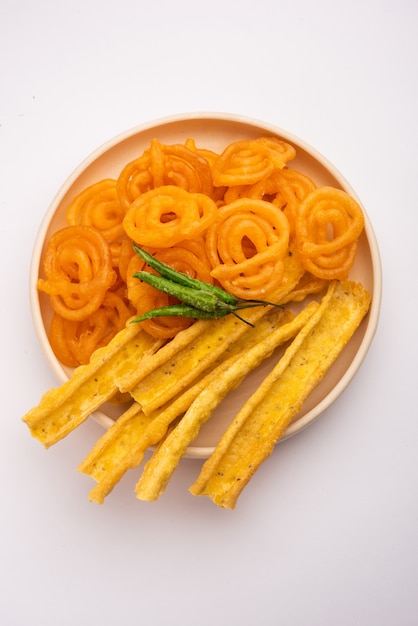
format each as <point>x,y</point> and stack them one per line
<point>165,459</point>
<point>252,435</point>
<point>63,408</point>
<point>122,447</point>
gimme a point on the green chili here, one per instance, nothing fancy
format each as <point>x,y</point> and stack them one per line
<point>199,300</point>
<point>182,279</point>
<point>194,297</point>
<point>193,283</point>
<point>185,310</point>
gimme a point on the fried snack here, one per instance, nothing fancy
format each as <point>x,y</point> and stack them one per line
<point>247,245</point>
<point>64,408</point>
<point>78,270</point>
<point>262,421</point>
<point>159,469</point>
<point>328,225</point>
<point>128,378</point>
<point>186,365</point>
<point>307,286</point>
<point>293,187</point>
<point>248,161</point>
<point>98,206</point>
<point>167,215</point>
<point>122,447</point>
<point>135,179</point>
<point>180,166</point>
<point>162,165</point>
<point>209,155</point>
<point>116,445</point>
<point>73,342</point>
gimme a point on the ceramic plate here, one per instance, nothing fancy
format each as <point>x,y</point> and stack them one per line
<point>215,132</point>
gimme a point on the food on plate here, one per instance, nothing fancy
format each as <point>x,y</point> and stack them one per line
<point>247,245</point>
<point>199,300</point>
<point>248,161</point>
<point>78,270</point>
<point>165,216</point>
<point>143,431</point>
<point>328,224</point>
<point>164,382</point>
<point>98,206</point>
<point>63,408</point>
<point>259,424</point>
<point>227,219</point>
<point>161,165</point>
<point>172,282</point>
<point>160,467</point>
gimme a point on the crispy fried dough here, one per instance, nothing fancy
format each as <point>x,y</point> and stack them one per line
<point>63,408</point>
<point>122,447</point>
<point>217,385</point>
<point>252,435</point>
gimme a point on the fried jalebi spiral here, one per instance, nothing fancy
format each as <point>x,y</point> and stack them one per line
<point>230,217</point>
<point>209,155</point>
<point>162,165</point>
<point>248,161</point>
<point>328,225</point>
<point>78,270</point>
<point>247,246</point>
<point>164,216</point>
<point>183,167</point>
<point>135,178</point>
<point>294,187</point>
<point>285,188</point>
<point>74,342</point>
<point>236,192</point>
<point>125,255</point>
<point>98,206</point>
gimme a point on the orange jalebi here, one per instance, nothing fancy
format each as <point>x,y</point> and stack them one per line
<point>248,161</point>
<point>227,217</point>
<point>75,341</point>
<point>247,245</point>
<point>78,269</point>
<point>135,179</point>
<point>285,188</point>
<point>328,225</point>
<point>167,215</point>
<point>98,206</point>
<point>161,165</point>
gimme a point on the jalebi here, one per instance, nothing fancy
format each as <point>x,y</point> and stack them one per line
<point>78,269</point>
<point>230,217</point>
<point>98,206</point>
<point>247,245</point>
<point>328,225</point>
<point>167,215</point>
<point>248,161</point>
<point>73,342</point>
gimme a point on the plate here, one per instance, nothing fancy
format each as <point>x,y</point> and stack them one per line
<point>215,132</point>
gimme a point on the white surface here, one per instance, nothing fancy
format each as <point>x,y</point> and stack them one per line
<point>326,533</point>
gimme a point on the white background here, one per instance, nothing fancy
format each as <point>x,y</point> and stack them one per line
<point>326,534</point>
